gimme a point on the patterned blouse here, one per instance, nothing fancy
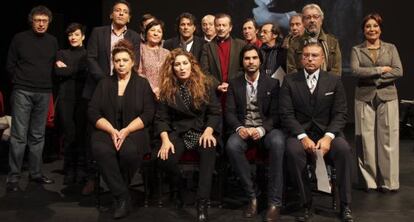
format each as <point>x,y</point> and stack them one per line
<point>151,62</point>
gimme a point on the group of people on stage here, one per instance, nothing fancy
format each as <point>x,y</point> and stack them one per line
<point>141,94</point>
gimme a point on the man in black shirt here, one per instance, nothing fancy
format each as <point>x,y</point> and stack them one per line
<point>30,63</point>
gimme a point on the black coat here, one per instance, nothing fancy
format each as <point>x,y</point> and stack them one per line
<point>196,48</point>
<point>267,98</point>
<point>329,113</point>
<point>99,55</point>
<point>138,101</point>
<point>178,118</point>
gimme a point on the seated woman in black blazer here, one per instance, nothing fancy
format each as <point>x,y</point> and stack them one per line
<point>188,117</point>
<point>121,109</point>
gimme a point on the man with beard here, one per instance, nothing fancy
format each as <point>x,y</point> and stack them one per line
<point>312,20</point>
<point>252,121</point>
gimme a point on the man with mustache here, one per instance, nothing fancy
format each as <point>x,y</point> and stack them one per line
<point>312,20</point>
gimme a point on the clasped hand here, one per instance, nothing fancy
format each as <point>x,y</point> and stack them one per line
<point>324,144</point>
<point>118,137</point>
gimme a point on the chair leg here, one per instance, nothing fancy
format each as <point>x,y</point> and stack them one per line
<point>333,188</point>
<point>98,189</point>
<point>145,177</point>
<point>159,183</point>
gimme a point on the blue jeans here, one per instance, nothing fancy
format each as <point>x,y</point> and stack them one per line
<point>29,112</point>
<point>274,141</point>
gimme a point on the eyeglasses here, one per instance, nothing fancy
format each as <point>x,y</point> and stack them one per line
<point>309,17</point>
<point>41,21</point>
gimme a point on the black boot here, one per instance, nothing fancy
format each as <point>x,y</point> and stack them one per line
<point>202,210</point>
<point>122,207</point>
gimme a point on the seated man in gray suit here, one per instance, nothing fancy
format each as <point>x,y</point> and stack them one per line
<point>313,111</point>
<point>252,119</point>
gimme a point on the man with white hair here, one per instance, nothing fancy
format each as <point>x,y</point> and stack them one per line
<point>312,20</point>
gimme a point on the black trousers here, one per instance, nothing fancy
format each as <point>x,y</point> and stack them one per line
<point>339,154</point>
<point>207,163</point>
<point>72,119</point>
<point>117,166</point>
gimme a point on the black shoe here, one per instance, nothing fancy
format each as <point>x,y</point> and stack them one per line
<point>272,213</point>
<point>122,207</point>
<point>178,199</point>
<point>306,215</point>
<point>69,178</point>
<point>346,214</point>
<point>251,209</point>
<point>42,180</point>
<point>12,187</point>
<point>202,210</point>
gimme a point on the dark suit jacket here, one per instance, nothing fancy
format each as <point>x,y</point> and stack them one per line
<point>99,55</point>
<point>267,98</point>
<point>177,118</point>
<point>210,62</point>
<point>196,48</point>
<point>138,101</point>
<point>329,113</point>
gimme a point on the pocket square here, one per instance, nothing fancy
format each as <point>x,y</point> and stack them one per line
<point>329,93</point>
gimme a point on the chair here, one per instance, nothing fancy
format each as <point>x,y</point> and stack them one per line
<point>189,164</point>
<point>332,180</point>
<point>145,171</point>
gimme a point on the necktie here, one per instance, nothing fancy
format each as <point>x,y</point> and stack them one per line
<point>312,82</point>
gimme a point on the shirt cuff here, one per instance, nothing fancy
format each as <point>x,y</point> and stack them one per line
<point>238,128</point>
<point>261,130</point>
<point>301,136</point>
<point>330,135</point>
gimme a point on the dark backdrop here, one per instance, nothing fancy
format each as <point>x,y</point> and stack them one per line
<point>396,17</point>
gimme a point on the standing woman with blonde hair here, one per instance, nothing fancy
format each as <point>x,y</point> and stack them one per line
<point>188,117</point>
<point>377,66</point>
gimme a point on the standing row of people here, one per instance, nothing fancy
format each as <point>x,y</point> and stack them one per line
<point>192,86</point>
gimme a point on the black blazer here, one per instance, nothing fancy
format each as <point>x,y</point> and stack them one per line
<point>196,48</point>
<point>210,62</point>
<point>138,101</point>
<point>179,119</point>
<point>99,55</point>
<point>329,113</point>
<point>267,98</point>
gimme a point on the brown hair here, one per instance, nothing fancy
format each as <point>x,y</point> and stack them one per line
<point>375,16</point>
<point>198,84</point>
<point>124,45</point>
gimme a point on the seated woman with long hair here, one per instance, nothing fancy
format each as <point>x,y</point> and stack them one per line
<point>188,117</point>
<point>121,109</point>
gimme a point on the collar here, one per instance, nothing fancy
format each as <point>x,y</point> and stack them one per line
<point>123,32</point>
<point>254,83</point>
<point>316,73</point>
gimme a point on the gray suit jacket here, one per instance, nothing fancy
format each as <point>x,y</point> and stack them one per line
<point>371,81</point>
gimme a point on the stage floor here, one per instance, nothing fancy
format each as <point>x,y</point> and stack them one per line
<point>59,203</point>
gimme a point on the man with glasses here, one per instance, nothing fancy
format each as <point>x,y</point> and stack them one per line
<point>313,111</point>
<point>30,64</point>
<point>312,20</point>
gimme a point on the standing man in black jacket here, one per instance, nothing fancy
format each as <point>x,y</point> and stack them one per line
<point>99,59</point>
<point>30,63</point>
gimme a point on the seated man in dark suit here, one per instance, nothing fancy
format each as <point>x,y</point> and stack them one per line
<point>313,110</point>
<point>251,116</point>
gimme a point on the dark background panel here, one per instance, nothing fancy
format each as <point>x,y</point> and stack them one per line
<point>343,23</point>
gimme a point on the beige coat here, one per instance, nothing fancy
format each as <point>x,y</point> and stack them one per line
<point>371,81</point>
